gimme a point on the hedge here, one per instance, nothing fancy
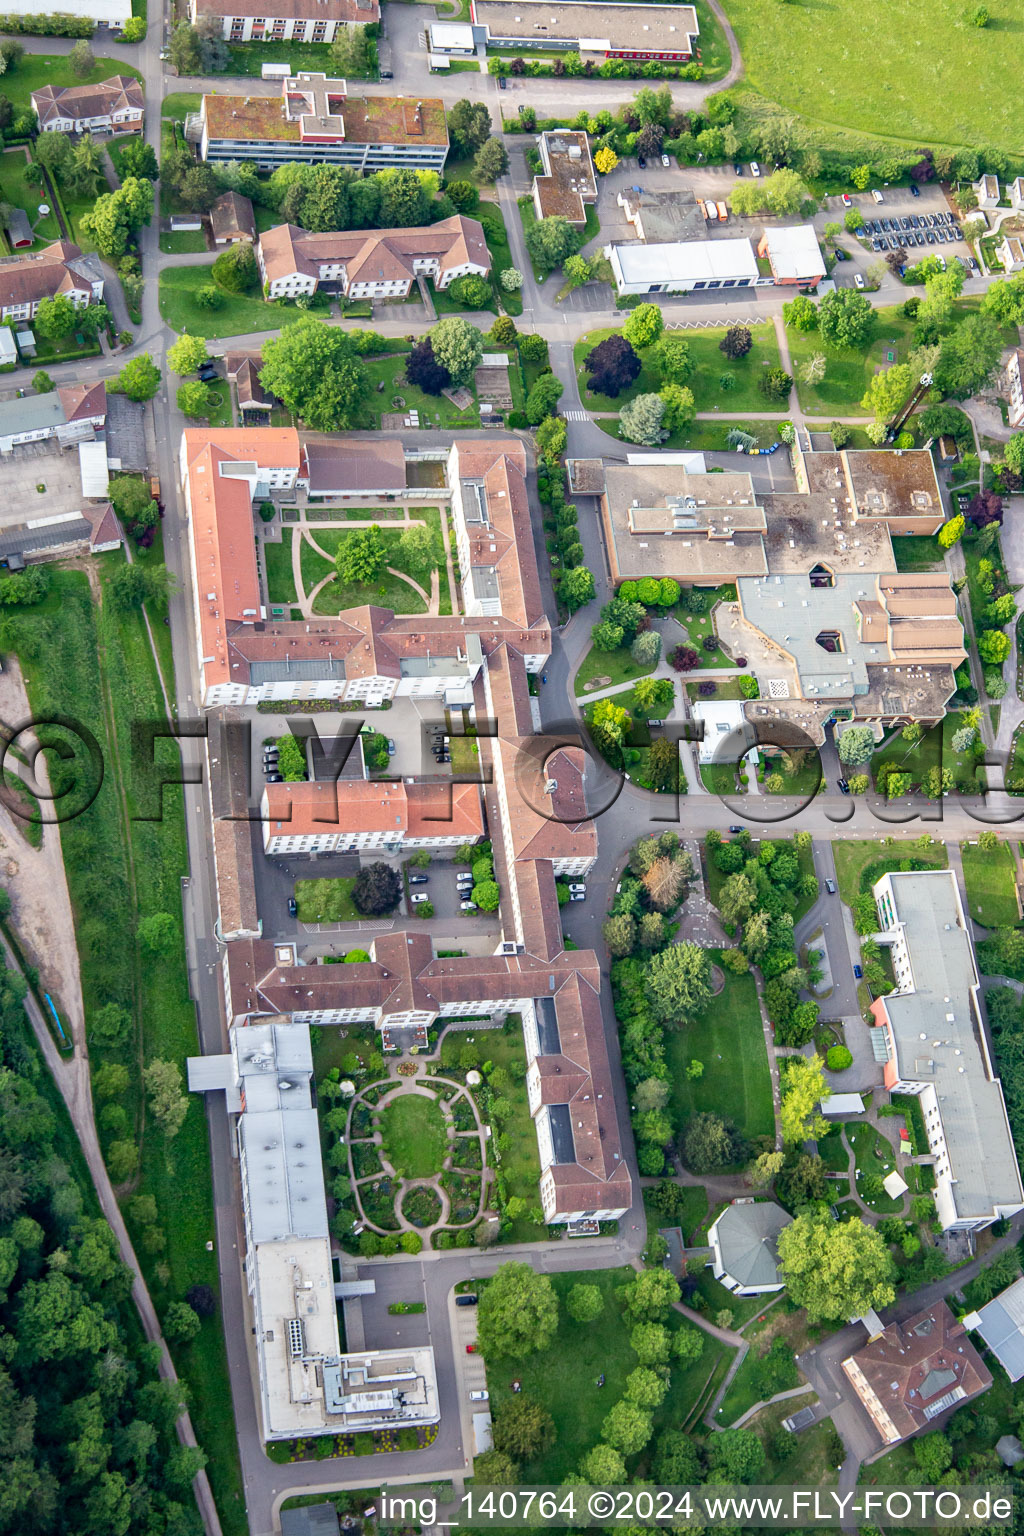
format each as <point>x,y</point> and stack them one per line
<point>58,24</point>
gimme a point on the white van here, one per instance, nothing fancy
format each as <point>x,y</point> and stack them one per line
<point>877,195</point>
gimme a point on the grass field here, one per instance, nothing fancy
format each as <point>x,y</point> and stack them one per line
<point>434,410</point>
<point>618,665</point>
<point>278,560</point>
<point>94,665</point>
<point>916,552</point>
<point>711,364</point>
<point>729,1040</point>
<point>520,1163</point>
<point>182,242</point>
<point>248,58</point>
<point>326,901</point>
<point>387,590</point>
<point>238,314</point>
<point>573,1398</point>
<point>415,1140</point>
<point>990,882</point>
<point>873,68</point>
<point>852,860</point>
<point>496,235</point>
<point>848,369</point>
<point>15,189</point>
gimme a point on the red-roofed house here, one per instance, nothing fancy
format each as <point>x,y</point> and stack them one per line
<point>356,816</point>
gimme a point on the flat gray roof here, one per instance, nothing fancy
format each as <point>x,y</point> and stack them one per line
<point>650,28</point>
<point>938,1040</point>
<point>1001,1325</point>
<point>296,671</point>
<point>31,414</point>
<point>284,1177</point>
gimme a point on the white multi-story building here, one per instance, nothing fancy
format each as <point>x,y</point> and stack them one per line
<point>294,21</point>
<point>370,263</point>
<point>307,1386</point>
<point>931,1032</point>
<point>1013,388</point>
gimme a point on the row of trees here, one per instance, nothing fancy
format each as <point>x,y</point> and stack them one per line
<point>89,1441</point>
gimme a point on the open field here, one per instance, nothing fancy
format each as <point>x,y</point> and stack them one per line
<point>989,878</point>
<point>856,858</point>
<point>874,69</point>
<point>236,316</point>
<point>848,369</point>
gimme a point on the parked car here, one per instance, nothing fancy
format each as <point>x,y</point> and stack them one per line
<point>293,907</point>
<point>830,886</point>
<point>858,281</point>
<point>666,162</point>
<point>847,200</point>
<point>858,971</point>
<point>930,236</point>
<point>467,1299</point>
<point>735,829</point>
<point>738,169</point>
<point>478,1397</point>
<point>392,749</point>
<point>470,1349</point>
<point>275,778</point>
<point>464,879</point>
<point>755,169</point>
<point>418,879</point>
<point>467,906</point>
<point>577,896</point>
<point>502,83</point>
<point>418,899</point>
<point>877,195</point>
<point>915,190</point>
<point>641,162</point>
<point>578,886</point>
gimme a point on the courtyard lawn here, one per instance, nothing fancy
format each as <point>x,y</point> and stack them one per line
<point>520,1164</point>
<point>496,235</point>
<point>178,104</point>
<point>917,552</point>
<point>953,85</point>
<point>711,364</point>
<point>35,70</point>
<point>326,901</point>
<point>278,561</point>
<point>14,189</point>
<point>873,1155</point>
<point>434,410</point>
<point>848,369</point>
<point>859,864</point>
<point>991,885</point>
<point>814,1459</point>
<point>617,666</point>
<point>387,590</point>
<point>182,242</point>
<point>729,1040</point>
<point>236,316</point>
<point>248,58</point>
<point>833,1152</point>
<point>415,1138</point>
<point>934,749</point>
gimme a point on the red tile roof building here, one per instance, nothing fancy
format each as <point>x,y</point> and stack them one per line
<point>299,21</point>
<point>113,106</point>
<point>914,1372</point>
<point>371,263</point>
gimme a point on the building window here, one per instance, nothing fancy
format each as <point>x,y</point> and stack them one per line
<point>319,31</point>
<point>299,31</point>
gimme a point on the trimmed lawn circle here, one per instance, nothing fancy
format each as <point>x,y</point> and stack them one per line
<point>414,1136</point>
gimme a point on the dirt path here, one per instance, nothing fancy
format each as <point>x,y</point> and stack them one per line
<point>37,883</point>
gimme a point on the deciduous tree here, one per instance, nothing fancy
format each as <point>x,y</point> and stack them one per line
<point>316,373</point>
<point>518,1312</point>
<point>837,1270</point>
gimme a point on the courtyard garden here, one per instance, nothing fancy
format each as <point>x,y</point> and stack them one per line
<point>414,1138</point>
<point>402,582</point>
<point>728,1038</point>
<point>990,878</point>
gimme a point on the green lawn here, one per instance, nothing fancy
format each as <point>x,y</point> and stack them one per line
<point>563,1378</point>
<point>990,881</point>
<point>873,69</point>
<point>278,560</point>
<point>520,1162</point>
<point>16,190</point>
<point>695,628</point>
<point>387,590</point>
<point>237,315</point>
<point>917,552</point>
<point>874,1155</point>
<point>711,364</point>
<point>934,748</point>
<point>618,666</point>
<point>248,58</point>
<point>434,410</point>
<point>496,235</point>
<point>35,70</point>
<point>178,104</point>
<point>326,901</point>
<point>182,242</point>
<point>729,1040</point>
<point>856,859</point>
<point>849,369</point>
<point>415,1139</point>
<point>833,1151</point>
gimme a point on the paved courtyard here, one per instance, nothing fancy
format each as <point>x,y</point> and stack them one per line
<point>31,467</point>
